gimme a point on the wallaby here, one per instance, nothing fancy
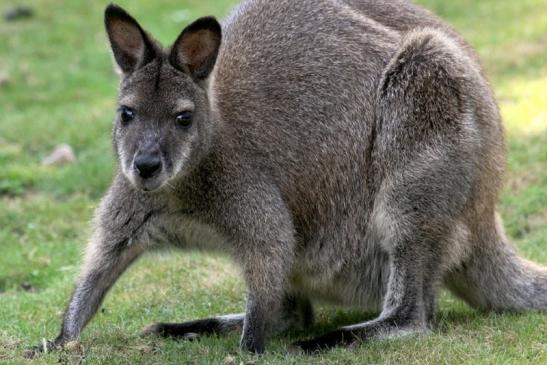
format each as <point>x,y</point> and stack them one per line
<point>349,151</point>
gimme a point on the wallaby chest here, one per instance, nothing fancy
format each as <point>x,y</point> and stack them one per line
<point>182,229</point>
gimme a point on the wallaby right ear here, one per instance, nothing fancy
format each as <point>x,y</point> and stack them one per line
<point>196,48</point>
<point>130,45</point>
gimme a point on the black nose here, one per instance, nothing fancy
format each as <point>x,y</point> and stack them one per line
<point>147,165</point>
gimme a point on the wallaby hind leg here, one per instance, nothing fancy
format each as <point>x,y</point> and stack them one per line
<point>425,150</point>
<point>297,312</point>
<point>410,301</point>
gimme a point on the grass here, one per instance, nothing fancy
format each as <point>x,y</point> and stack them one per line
<point>61,89</point>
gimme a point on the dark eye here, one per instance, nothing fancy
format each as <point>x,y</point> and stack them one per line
<point>126,114</point>
<point>184,119</point>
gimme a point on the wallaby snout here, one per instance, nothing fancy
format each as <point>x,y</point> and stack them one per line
<point>148,162</point>
<point>148,171</point>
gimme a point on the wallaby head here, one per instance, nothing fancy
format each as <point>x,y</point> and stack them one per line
<point>163,123</point>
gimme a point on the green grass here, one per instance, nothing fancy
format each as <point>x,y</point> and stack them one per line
<point>61,89</point>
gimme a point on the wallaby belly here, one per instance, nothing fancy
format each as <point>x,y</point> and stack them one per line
<point>332,272</point>
<point>361,284</point>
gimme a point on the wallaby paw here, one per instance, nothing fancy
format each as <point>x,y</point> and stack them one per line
<point>43,348</point>
<point>32,352</point>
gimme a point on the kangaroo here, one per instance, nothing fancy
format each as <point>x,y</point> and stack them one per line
<point>348,151</point>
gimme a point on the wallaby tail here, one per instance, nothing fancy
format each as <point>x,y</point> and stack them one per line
<point>496,278</point>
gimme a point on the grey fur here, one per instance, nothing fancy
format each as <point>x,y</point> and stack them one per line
<point>343,150</point>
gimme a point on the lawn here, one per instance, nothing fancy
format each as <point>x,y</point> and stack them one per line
<point>57,85</point>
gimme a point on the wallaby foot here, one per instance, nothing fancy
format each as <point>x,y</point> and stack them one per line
<point>381,328</point>
<point>201,327</point>
<point>297,312</point>
<point>250,341</point>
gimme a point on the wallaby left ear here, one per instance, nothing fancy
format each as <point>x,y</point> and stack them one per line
<point>196,49</point>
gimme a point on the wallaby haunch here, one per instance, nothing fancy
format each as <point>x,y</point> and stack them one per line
<point>341,150</point>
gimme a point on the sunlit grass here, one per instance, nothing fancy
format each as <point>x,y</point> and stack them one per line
<point>523,104</point>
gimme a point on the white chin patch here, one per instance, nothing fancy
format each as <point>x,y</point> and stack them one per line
<point>150,184</point>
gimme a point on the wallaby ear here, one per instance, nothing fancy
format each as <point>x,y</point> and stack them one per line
<point>130,45</point>
<point>196,49</point>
